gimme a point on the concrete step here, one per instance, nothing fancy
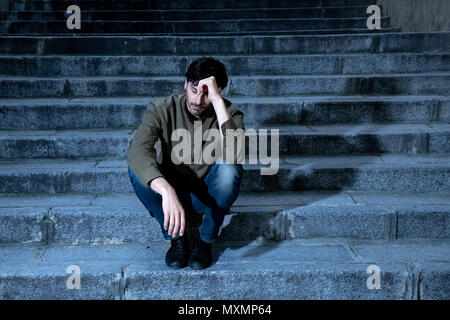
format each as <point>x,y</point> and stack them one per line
<point>432,83</point>
<point>188,26</point>
<point>295,32</point>
<point>293,140</point>
<point>256,270</point>
<point>56,65</point>
<point>301,44</point>
<point>122,112</point>
<point>184,4</point>
<point>199,14</point>
<point>120,218</point>
<point>383,172</point>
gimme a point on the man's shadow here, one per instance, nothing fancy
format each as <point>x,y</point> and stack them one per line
<point>270,227</point>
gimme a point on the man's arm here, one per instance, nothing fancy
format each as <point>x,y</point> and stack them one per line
<point>142,160</point>
<point>175,217</point>
<point>213,92</point>
<point>142,154</point>
<point>225,120</point>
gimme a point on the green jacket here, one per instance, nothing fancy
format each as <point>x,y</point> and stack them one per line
<point>152,143</point>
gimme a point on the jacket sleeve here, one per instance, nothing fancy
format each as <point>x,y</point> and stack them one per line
<point>234,128</point>
<point>142,154</point>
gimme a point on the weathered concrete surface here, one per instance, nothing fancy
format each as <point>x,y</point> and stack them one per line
<point>301,44</point>
<point>433,83</point>
<point>293,140</point>
<point>127,112</point>
<point>418,15</point>
<point>390,172</point>
<point>121,218</point>
<point>257,270</point>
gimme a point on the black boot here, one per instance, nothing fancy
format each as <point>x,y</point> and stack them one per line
<point>200,257</point>
<point>177,254</point>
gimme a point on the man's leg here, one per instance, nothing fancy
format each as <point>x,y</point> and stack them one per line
<point>223,184</point>
<point>152,201</point>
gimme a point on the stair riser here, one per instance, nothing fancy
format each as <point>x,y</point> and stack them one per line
<point>109,226</point>
<point>41,27</point>
<point>129,115</point>
<point>250,87</point>
<point>293,283</point>
<point>275,13</point>
<point>221,34</point>
<point>341,86</point>
<point>375,178</point>
<point>289,144</point>
<point>53,286</point>
<point>191,4</point>
<point>251,65</point>
<point>383,43</point>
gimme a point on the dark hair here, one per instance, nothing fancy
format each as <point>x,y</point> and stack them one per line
<point>205,67</point>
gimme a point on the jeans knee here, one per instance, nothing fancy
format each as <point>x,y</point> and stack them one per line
<point>229,174</point>
<point>226,185</point>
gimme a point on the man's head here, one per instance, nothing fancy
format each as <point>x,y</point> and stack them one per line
<point>202,68</point>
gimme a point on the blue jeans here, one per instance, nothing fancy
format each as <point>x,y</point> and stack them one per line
<point>212,196</point>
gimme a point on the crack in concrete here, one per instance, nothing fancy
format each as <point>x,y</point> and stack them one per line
<point>395,226</point>
<point>419,286</point>
<point>47,228</point>
<point>39,254</point>
<point>352,250</point>
<point>351,197</point>
<point>413,278</point>
<point>435,111</point>
<point>375,44</point>
<point>123,282</point>
<point>301,118</point>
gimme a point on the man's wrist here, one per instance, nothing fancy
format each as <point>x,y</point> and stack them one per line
<point>161,186</point>
<point>216,101</point>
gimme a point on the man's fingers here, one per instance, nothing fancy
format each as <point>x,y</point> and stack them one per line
<point>171,218</point>
<point>176,224</point>
<point>203,82</point>
<point>166,221</point>
<point>182,223</point>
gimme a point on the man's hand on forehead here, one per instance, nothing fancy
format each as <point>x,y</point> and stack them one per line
<point>209,87</point>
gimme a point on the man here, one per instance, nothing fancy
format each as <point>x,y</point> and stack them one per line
<point>171,190</point>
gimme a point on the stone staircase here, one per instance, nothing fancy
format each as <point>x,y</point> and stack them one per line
<point>364,177</point>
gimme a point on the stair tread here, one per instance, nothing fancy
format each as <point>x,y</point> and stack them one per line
<point>210,20</point>
<point>35,102</point>
<point>284,129</point>
<point>255,270</point>
<point>143,37</point>
<point>227,56</point>
<point>264,201</point>
<point>202,10</point>
<point>287,162</point>
<point>254,77</point>
<point>256,256</point>
<point>291,32</point>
